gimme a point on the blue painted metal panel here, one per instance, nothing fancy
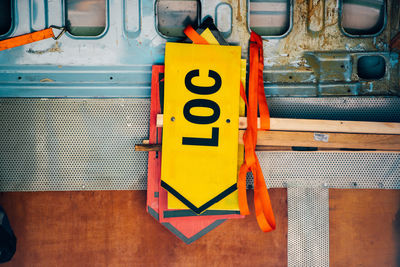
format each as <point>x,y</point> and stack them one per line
<point>115,64</point>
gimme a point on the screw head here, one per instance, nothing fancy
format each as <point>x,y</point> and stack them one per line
<point>172,118</point>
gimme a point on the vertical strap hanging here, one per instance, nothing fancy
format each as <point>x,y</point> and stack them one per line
<point>256,103</point>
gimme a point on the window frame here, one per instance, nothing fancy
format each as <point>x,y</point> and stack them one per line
<point>173,38</point>
<point>104,32</point>
<point>289,30</point>
<point>13,16</point>
<point>340,11</point>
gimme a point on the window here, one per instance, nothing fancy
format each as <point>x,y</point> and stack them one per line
<point>371,67</point>
<point>5,16</point>
<point>85,17</point>
<point>363,17</point>
<point>174,15</point>
<point>269,18</point>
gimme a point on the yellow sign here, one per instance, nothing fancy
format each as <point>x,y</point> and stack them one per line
<point>200,131</point>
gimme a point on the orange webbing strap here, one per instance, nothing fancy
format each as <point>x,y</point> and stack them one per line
<point>26,39</point>
<point>194,36</point>
<point>262,100</point>
<point>264,214</point>
<point>262,203</point>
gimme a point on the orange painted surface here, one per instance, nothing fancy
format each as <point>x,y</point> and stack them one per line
<point>112,228</point>
<point>364,228</point>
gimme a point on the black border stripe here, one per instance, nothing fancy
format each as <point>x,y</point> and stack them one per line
<point>190,213</point>
<point>153,213</point>
<point>189,240</point>
<point>203,207</point>
<point>208,22</point>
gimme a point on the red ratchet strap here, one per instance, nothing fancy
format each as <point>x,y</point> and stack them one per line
<point>256,102</point>
<point>30,38</point>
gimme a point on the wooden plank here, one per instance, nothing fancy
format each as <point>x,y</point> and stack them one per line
<point>147,147</point>
<point>112,228</point>
<point>158,147</point>
<point>364,227</point>
<point>304,125</point>
<point>284,140</point>
<point>327,140</point>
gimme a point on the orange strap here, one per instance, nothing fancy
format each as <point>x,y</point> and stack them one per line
<point>264,214</point>
<point>256,102</point>
<point>194,36</point>
<point>26,39</point>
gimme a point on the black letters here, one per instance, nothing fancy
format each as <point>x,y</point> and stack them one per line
<point>195,141</point>
<point>203,90</point>
<point>204,103</point>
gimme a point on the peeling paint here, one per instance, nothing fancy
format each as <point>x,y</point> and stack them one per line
<point>54,48</point>
<point>46,80</point>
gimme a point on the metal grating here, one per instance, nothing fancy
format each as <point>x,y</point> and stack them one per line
<point>331,169</point>
<point>72,144</point>
<point>75,144</point>
<point>337,108</point>
<point>308,227</point>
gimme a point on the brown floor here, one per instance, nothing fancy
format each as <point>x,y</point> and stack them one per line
<point>364,228</point>
<point>111,228</point>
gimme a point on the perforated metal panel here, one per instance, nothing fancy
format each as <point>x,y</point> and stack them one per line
<point>308,227</point>
<point>75,144</point>
<point>337,108</point>
<point>72,144</point>
<point>331,169</point>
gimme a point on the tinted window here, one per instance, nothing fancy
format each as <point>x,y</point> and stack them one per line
<point>5,16</point>
<point>363,17</point>
<point>85,17</point>
<point>174,15</point>
<point>269,18</point>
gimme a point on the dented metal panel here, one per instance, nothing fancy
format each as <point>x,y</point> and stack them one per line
<point>311,47</point>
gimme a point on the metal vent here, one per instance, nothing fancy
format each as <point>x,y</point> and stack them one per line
<point>76,144</point>
<point>72,144</point>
